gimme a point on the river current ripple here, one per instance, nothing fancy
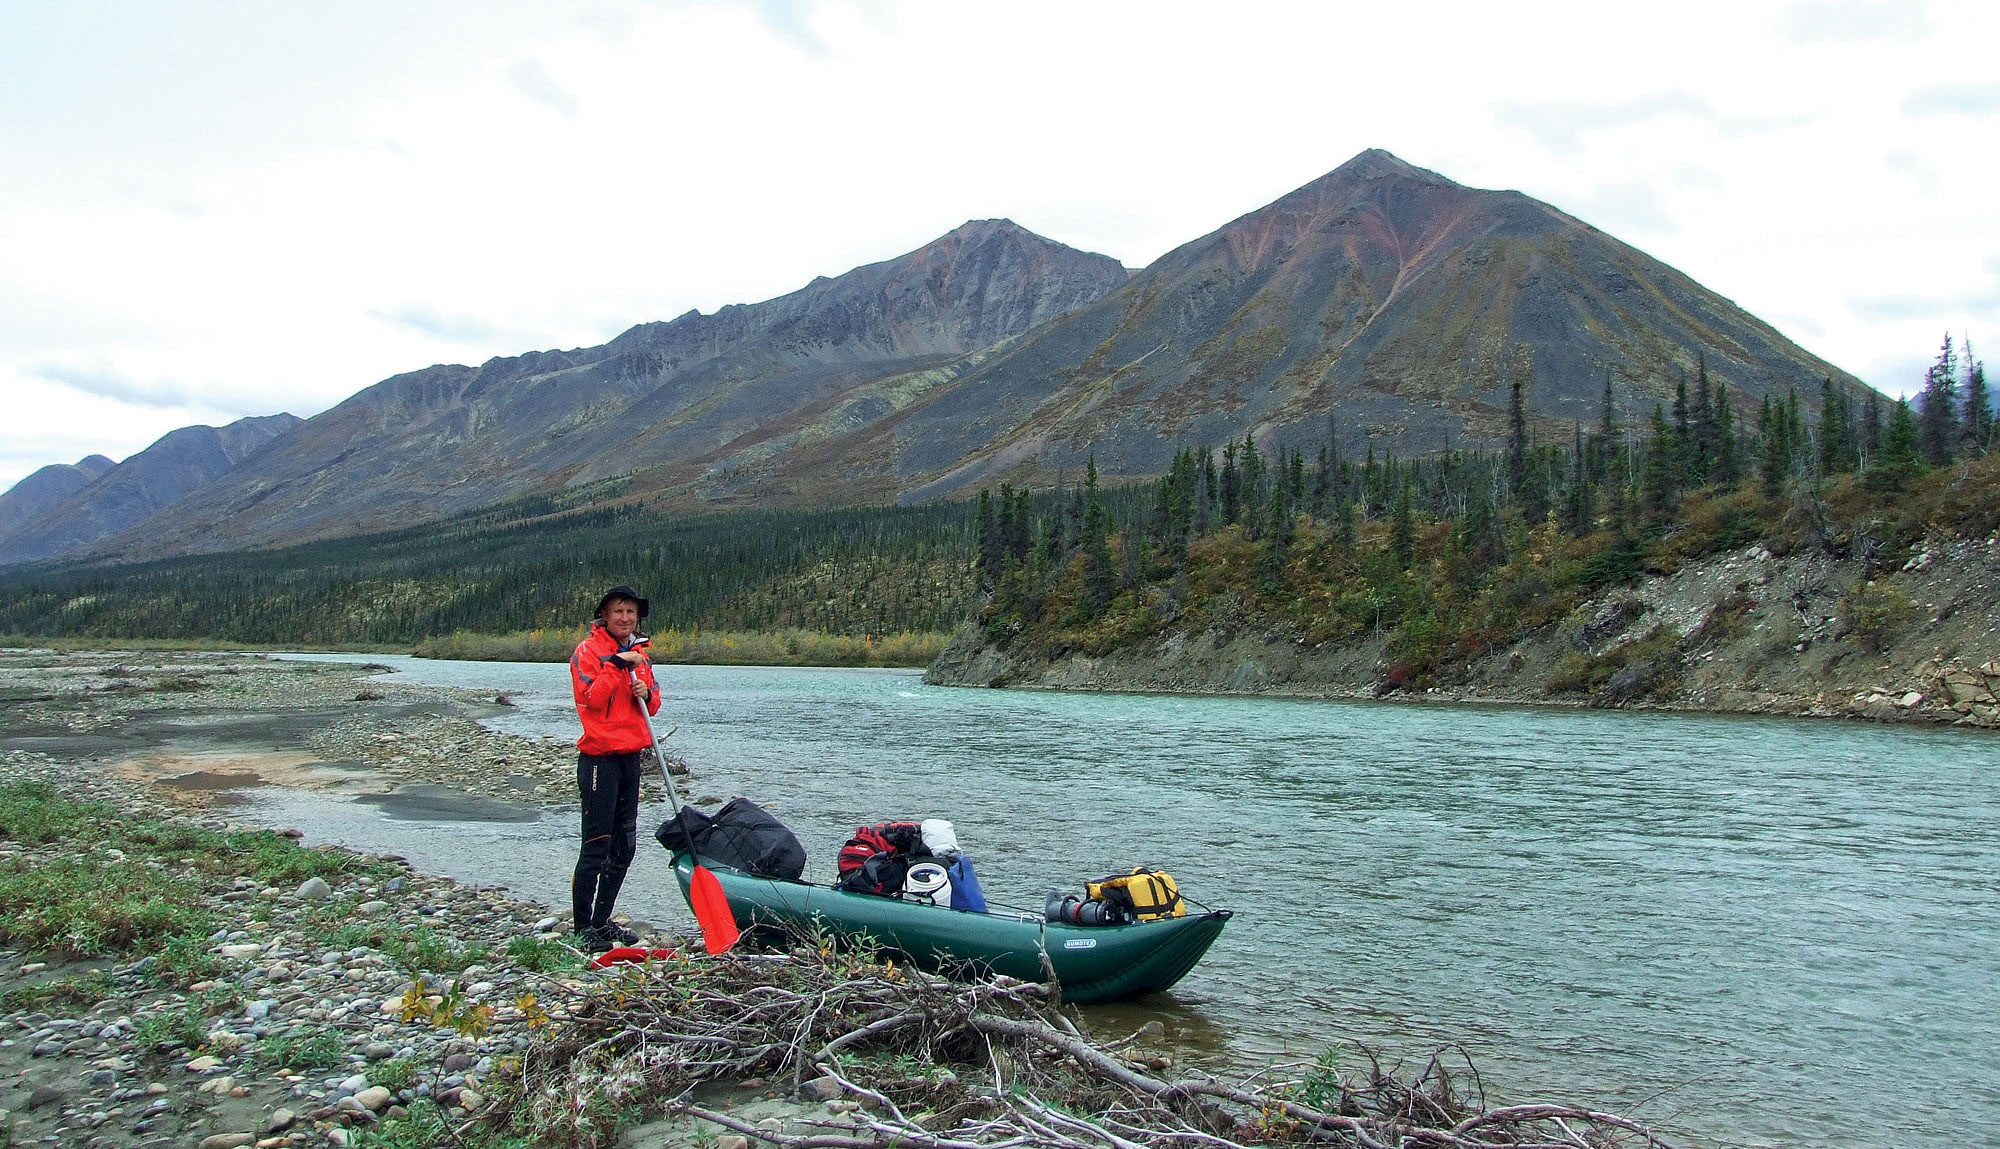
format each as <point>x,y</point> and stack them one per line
<point>1748,931</point>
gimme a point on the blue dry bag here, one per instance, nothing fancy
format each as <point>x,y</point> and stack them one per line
<point>965,893</point>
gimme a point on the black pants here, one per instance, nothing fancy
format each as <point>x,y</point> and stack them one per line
<point>609,785</point>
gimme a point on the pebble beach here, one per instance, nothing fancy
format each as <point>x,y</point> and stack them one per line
<point>320,1015</point>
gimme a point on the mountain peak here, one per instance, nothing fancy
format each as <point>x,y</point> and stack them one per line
<point>981,228</point>
<point>1378,164</point>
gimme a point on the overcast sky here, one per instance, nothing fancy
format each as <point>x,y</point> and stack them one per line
<point>211,210</point>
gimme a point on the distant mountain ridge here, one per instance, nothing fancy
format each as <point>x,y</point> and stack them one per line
<point>1381,299</point>
<point>451,438</point>
<point>124,495</point>
<point>1388,297</point>
<point>45,488</point>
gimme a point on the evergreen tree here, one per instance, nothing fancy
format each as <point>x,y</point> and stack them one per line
<point>1662,464</point>
<point>1403,529</point>
<point>1477,539</point>
<point>1576,507</point>
<point>1976,425</point>
<point>992,548</point>
<point>1256,476</point>
<point>1100,582</point>
<point>1937,408</point>
<point>1682,448</point>
<point>1870,435</point>
<point>1015,525</point>
<point>1049,547</point>
<point>1706,436</point>
<point>1900,457</point>
<point>1207,491</point>
<point>1517,442</point>
<point>1774,449</point>
<point>1836,431</point>
<point>1283,532</point>
<point>1728,469</point>
<point>1232,485</point>
<point>1345,528</point>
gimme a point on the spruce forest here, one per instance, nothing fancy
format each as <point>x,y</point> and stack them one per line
<point>1446,554</point>
<point>527,569</point>
<point>1452,554</point>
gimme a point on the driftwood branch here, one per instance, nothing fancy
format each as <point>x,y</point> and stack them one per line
<point>933,1064</point>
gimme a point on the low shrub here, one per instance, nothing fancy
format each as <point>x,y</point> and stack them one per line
<point>1875,613</point>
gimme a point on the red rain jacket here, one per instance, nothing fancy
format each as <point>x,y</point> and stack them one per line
<point>611,720</point>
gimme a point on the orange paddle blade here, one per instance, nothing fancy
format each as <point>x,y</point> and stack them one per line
<point>711,911</point>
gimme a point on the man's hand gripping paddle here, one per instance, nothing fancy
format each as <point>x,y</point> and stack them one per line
<point>705,897</point>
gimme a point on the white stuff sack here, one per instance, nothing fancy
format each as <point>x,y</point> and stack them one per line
<point>939,838</point>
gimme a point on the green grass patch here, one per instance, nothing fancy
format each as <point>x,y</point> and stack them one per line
<point>80,992</point>
<point>397,1073</point>
<point>320,1049</point>
<point>540,955</point>
<point>35,813</point>
<point>426,1126</point>
<point>130,886</point>
<point>88,905</point>
<point>174,1027</point>
<point>186,959</point>
<point>416,949</point>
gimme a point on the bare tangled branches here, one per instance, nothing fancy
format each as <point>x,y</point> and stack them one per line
<point>927,1063</point>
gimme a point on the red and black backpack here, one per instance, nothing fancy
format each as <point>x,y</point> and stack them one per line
<point>874,860</point>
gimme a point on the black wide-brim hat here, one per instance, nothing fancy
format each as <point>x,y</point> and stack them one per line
<point>622,591</point>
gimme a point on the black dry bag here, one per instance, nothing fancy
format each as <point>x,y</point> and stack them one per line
<point>741,835</point>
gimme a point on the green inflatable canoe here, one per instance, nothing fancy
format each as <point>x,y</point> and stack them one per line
<point>1091,963</point>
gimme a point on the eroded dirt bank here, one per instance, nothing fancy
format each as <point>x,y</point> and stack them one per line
<point>1744,632</point>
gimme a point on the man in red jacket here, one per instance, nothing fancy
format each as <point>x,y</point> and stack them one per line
<point>612,678</point>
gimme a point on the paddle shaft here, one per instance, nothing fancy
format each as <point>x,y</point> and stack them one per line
<point>660,754</point>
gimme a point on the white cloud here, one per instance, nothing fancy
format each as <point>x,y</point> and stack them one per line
<point>1562,126</point>
<point>1954,100</point>
<point>1849,21</point>
<point>252,209</point>
<point>534,82</point>
<point>109,383</point>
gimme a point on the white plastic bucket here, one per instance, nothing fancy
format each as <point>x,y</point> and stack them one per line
<point>927,882</point>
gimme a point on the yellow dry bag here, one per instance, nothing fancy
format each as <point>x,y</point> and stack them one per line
<point>1148,894</point>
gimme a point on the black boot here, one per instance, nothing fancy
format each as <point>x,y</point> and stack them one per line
<point>608,885</point>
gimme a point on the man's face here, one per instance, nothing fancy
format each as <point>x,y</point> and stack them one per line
<point>621,618</point>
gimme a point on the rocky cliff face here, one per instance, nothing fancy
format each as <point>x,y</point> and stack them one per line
<point>1747,632</point>
<point>45,488</point>
<point>134,490</point>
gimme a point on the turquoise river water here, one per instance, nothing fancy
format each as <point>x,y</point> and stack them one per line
<point>1747,931</point>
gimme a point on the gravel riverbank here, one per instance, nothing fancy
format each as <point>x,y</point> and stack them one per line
<point>306,1024</point>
